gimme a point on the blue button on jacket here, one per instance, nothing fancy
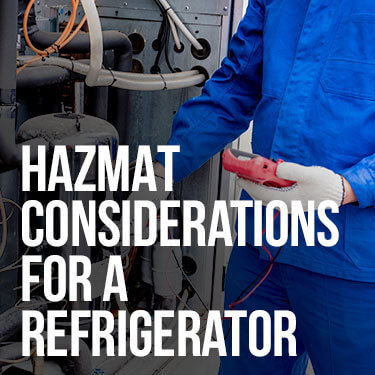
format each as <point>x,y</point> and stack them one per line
<point>304,71</point>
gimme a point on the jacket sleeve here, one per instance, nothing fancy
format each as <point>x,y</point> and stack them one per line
<point>362,179</point>
<point>206,124</point>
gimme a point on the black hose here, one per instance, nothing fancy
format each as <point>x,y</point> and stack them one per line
<point>163,40</point>
<point>41,76</point>
<point>81,43</point>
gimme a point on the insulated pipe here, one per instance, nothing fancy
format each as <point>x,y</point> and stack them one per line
<point>10,152</point>
<point>11,352</point>
<point>115,79</point>
<point>82,364</point>
<point>11,320</point>
<point>96,41</point>
<point>127,75</point>
<point>156,77</point>
<point>78,65</point>
<point>81,42</point>
<point>42,76</point>
<point>160,85</point>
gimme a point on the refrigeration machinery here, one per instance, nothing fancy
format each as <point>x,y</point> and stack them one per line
<point>156,56</point>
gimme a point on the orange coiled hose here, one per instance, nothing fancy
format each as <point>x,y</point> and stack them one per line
<point>66,36</point>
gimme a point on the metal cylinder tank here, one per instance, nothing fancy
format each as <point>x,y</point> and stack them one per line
<point>70,130</point>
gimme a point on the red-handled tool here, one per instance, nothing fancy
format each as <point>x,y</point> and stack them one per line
<point>254,168</point>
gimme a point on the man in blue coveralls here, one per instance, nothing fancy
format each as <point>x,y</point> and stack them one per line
<point>304,71</point>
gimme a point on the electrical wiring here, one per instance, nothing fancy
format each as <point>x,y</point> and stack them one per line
<point>240,299</point>
<point>16,361</point>
<point>166,48</point>
<point>10,268</point>
<point>269,269</point>
<point>15,264</point>
<point>42,53</point>
<point>172,252</point>
<point>4,223</point>
<point>9,216</point>
<point>4,226</point>
<point>131,259</point>
<point>182,302</point>
<point>60,42</point>
<point>259,279</point>
<point>181,306</point>
<point>263,276</point>
<point>163,40</point>
<point>169,284</point>
<point>127,262</point>
<point>160,43</point>
<point>62,37</point>
<point>32,290</point>
<point>188,279</point>
<point>95,76</point>
<point>185,297</point>
<point>37,305</point>
<point>180,24</point>
<point>13,203</point>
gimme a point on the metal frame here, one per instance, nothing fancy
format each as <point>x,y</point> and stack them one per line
<point>217,7</point>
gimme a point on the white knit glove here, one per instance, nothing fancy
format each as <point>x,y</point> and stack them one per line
<point>312,184</point>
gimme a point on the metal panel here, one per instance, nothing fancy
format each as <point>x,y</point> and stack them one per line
<point>154,15</point>
<point>151,115</point>
<point>218,7</point>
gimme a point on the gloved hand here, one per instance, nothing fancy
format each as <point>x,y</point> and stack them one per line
<point>312,184</point>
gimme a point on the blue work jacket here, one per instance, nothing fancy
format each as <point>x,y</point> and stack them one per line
<point>304,71</point>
